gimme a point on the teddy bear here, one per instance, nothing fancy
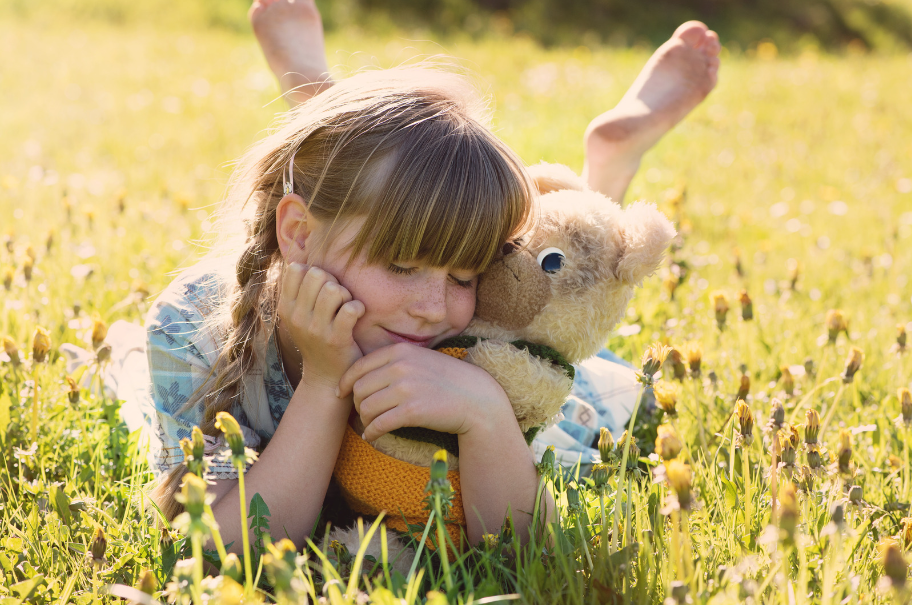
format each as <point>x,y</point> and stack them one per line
<point>549,300</point>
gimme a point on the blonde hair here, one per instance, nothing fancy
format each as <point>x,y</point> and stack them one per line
<point>409,150</point>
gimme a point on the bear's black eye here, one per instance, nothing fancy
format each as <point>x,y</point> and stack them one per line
<point>551,259</point>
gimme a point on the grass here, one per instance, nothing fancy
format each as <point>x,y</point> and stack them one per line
<point>117,144</point>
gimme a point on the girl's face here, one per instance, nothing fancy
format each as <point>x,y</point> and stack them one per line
<point>409,302</point>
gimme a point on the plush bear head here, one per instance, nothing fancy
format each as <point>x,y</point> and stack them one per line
<point>568,283</point>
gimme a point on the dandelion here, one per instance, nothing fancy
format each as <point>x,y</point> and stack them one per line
<point>694,354</point>
<point>894,462</point>
<point>720,307</point>
<point>240,456</point>
<point>226,423</point>
<point>811,426</point>
<point>27,266</point>
<point>667,397</point>
<point>777,415</point>
<point>739,267</point>
<point>679,478</point>
<point>653,358</point>
<point>677,363</point>
<point>899,348</point>
<point>8,275</point>
<point>835,323</point>
<point>745,424</point>
<point>855,494</point>
<point>788,512</point>
<point>193,449</point>
<point>906,532</point>
<point>852,365</point>
<point>788,441</point>
<point>546,466</point>
<point>600,474</point>
<point>98,547</point>
<point>794,270</point>
<point>747,306</point>
<point>633,456</point>
<point>72,390</point>
<point>670,284</point>
<point>844,453</point>
<point>905,402</point>
<point>147,583</point>
<point>99,331</point>
<point>231,567</point>
<point>41,344</point>
<point>279,563</point>
<point>744,387</point>
<point>49,241</point>
<point>809,368</point>
<point>12,351</point>
<point>668,445</point>
<point>788,381</point>
<point>605,445</point>
<point>896,569</point>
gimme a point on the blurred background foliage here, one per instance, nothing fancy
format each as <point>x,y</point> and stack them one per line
<point>791,25</point>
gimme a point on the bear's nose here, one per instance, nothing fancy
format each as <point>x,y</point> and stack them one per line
<point>509,248</point>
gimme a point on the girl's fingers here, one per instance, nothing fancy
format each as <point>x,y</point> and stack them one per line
<point>310,288</point>
<point>291,283</point>
<point>327,304</point>
<point>378,403</point>
<point>370,362</point>
<point>368,385</point>
<point>347,317</point>
<point>391,420</point>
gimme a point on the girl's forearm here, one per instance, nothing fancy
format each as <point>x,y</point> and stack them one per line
<point>293,472</point>
<point>497,471</point>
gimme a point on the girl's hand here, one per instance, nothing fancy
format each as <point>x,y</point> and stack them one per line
<point>319,315</point>
<point>405,385</point>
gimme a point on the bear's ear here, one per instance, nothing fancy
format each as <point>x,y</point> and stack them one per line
<point>646,233</point>
<point>555,177</point>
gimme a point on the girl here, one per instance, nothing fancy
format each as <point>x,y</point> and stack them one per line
<point>352,240</point>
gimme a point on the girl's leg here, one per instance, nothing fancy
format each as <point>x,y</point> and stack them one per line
<point>676,79</point>
<point>290,32</point>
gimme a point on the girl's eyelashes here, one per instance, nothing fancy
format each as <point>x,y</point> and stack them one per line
<point>462,283</point>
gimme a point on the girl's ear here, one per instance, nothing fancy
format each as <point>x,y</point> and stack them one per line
<point>294,223</point>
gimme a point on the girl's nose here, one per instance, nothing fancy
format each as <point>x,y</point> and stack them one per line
<point>430,303</point>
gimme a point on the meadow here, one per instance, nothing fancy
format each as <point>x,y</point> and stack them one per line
<point>792,183</point>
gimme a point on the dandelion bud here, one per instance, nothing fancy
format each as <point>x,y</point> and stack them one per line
<point>739,267</point>
<point>809,368</point>
<point>671,284</point>
<point>787,452</point>
<point>654,357</point>
<point>844,454</point>
<point>679,478</point>
<point>794,269</point>
<point>852,365</point>
<point>548,458</point>
<point>855,494</point>
<point>667,397</point>
<point>788,512</point>
<point>694,354</point>
<point>98,547</point>
<point>905,402</point>
<point>747,306</point>
<point>777,415</point>
<point>147,583</point>
<point>679,592</point>
<point>280,566</point>
<point>193,495</point>
<point>232,568</point>
<point>439,466</point>
<point>894,462</point>
<point>27,266</point>
<point>900,337</point>
<point>745,424</point>
<point>677,364</point>
<point>605,445</point>
<point>837,515</point>
<point>835,323</point>
<point>906,531</point>
<point>41,344</point>
<point>341,551</point>
<point>573,500</point>
<point>49,242</point>
<point>226,423</point>
<point>806,480</point>
<point>894,563</point>
<point>633,455</point>
<point>713,378</point>
<point>99,331</point>
<point>103,353</point>
<point>72,390</point>
<point>744,387</point>
<point>600,475</point>
<point>668,445</point>
<point>8,275</point>
<point>491,541</point>
<point>720,307</point>
<point>30,252</point>
<point>811,426</point>
<point>813,456</point>
<point>788,381</point>
<point>12,351</point>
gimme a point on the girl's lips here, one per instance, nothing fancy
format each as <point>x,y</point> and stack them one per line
<point>411,339</point>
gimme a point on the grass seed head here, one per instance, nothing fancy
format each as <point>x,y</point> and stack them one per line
<point>747,306</point>
<point>41,344</point>
<point>852,365</point>
<point>905,402</point>
<point>679,478</point>
<point>835,323</point>
<point>99,331</point>
<point>606,445</point>
<point>677,364</point>
<point>666,395</point>
<point>844,455</point>
<point>811,426</point>
<point>745,424</point>
<point>12,351</point>
<point>668,445</point>
<point>653,358</point>
<point>720,307</point>
<point>896,569</point>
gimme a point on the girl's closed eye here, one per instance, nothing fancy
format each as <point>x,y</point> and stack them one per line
<point>462,283</point>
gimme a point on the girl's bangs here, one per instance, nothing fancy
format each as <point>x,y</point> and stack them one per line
<point>448,201</point>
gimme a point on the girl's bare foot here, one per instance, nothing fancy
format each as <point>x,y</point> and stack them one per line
<point>290,32</point>
<point>676,79</point>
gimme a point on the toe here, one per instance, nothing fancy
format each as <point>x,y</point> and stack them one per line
<point>712,47</point>
<point>693,33</point>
